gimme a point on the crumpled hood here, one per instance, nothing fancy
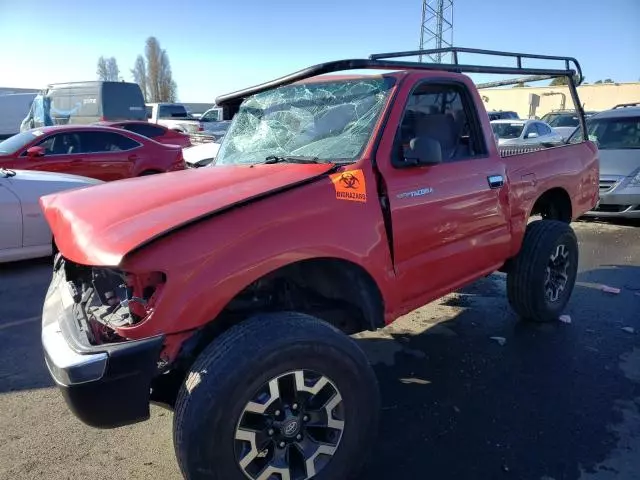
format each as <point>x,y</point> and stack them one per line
<point>100,225</point>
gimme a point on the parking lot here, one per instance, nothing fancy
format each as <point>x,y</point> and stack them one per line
<point>553,401</point>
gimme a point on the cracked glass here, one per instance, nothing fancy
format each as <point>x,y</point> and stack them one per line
<point>332,121</point>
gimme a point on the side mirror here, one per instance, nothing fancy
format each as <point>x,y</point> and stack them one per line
<point>532,135</point>
<point>35,152</point>
<point>422,151</point>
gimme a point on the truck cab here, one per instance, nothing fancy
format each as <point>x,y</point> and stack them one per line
<point>173,116</point>
<point>335,205</point>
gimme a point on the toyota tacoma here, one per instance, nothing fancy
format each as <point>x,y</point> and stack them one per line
<point>335,205</point>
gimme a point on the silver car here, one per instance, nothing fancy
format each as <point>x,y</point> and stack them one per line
<point>524,132</point>
<point>617,134</point>
<point>24,232</point>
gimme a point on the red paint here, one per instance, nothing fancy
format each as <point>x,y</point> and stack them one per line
<point>457,233</point>
<point>168,137</point>
<point>150,156</point>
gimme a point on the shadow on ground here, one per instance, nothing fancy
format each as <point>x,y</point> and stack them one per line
<point>23,286</point>
<point>458,405</point>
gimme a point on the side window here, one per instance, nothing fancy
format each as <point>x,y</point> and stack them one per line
<point>61,144</point>
<point>211,116</point>
<point>444,113</point>
<point>531,128</point>
<point>149,131</point>
<point>544,129</point>
<point>100,142</point>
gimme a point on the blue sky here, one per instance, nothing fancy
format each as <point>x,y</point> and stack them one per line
<point>220,46</point>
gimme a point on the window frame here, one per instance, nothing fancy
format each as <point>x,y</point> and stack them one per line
<point>138,144</point>
<point>476,132</point>
<point>162,131</point>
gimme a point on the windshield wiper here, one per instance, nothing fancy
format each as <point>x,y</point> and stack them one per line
<point>291,159</point>
<point>7,173</point>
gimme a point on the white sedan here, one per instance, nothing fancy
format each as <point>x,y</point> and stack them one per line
<point>200,155</point>
<point>524,132</point>
<point>24,232</point>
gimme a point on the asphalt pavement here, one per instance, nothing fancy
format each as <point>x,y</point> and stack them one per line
<point>558,401</point>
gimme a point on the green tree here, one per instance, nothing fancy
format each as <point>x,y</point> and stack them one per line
<point>557,81</point>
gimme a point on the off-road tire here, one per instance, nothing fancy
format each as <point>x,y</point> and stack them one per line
<point>234,366</point>
<point>527,274</point>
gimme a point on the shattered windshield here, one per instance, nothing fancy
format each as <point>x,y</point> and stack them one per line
<point>332,121</point>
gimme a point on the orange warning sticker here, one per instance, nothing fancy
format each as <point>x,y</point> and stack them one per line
<point>350,186</point>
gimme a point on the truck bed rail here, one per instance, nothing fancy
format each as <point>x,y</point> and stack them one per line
<point>230,103</point>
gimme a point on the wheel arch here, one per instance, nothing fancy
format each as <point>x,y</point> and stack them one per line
<point>328,282</point>
<point>553,204</point>
<point>331,279</point>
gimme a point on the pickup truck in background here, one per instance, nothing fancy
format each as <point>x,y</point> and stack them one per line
<point>335,205</point>
<point>173,116</point>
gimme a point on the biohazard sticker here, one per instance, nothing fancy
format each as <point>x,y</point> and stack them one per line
<point>350,186</point>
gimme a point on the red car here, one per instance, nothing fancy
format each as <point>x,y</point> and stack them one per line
<point>98,152</point>
<point>158,133</point>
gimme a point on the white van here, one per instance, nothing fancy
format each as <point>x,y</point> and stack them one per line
<point>13,108</point>
<point>84,103</point>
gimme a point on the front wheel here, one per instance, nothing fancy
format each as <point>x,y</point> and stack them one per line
<point>282,396</point>
<point>542,276</point>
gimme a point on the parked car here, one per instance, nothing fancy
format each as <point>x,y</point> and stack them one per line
<point>174,116</point>
<point>98,152</point>
<point>201,155</point>
<point>212,115</point>
<point>499,115</point>
<point>524,132</point>
<point>25,233</point>
<point>217,130</point>
<point>564,122</point>
<point>159,133</point>
<point>336,205</point>
<point>617,134</point>
<point>13,108</point>
<point>85,103</point>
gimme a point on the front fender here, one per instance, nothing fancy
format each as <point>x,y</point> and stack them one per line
<point>210,262</point>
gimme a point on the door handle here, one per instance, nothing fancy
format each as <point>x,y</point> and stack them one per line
<point>495,181</point>
<point>133,157</point>
<point>76,160</point>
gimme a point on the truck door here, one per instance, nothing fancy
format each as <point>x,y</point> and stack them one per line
<point>450,220</point>
<point>10,217</point>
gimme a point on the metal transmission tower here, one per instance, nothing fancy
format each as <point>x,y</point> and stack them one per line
<point>436,29</point>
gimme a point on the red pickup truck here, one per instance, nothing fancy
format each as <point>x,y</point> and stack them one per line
<point>335,205</point>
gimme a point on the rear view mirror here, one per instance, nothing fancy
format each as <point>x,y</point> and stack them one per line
<point>35,152</point>
<point>532,135</point>
<point>423,151</point>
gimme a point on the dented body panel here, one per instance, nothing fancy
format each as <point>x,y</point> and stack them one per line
<point>148,208</point>
<point>205,236</point>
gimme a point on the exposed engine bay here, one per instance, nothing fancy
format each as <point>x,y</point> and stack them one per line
<point>109,299</point>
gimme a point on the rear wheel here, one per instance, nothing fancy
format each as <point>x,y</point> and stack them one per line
<point>281,396</point>
<point>542,276</point>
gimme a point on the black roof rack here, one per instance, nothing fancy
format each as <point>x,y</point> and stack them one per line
<point>627,105</point>
<point>380,61</point>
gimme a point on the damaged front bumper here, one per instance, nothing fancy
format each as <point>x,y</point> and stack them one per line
<point>105,385</point>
